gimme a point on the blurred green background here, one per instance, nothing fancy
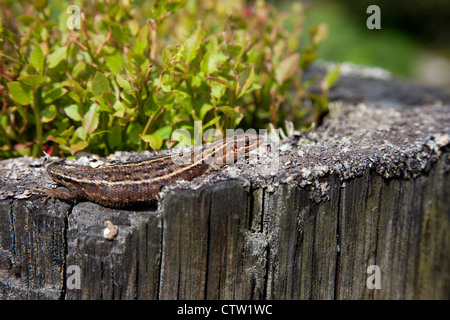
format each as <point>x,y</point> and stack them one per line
<point>413,42</point>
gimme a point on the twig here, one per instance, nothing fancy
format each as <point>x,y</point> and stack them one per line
<point>74,39</point>
<point>153,45</point>
<point>100,47</point>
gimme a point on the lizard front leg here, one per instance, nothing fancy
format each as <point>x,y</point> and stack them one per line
<point>61,193</point>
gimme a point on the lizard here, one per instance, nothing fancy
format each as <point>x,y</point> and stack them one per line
<point>139,183</point>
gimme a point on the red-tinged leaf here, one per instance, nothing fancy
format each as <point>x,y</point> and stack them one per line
<point>81,145</point>
<point>48,149</point>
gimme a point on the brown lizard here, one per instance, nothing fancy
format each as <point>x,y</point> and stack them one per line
<point>138,183</point>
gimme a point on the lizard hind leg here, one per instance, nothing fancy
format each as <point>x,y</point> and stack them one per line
<point>62,194</point>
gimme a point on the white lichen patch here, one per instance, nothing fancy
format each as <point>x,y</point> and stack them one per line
<point>441,139</point>
<point>320,170</point>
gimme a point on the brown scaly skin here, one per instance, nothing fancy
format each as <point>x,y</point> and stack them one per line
<point>138,183</point>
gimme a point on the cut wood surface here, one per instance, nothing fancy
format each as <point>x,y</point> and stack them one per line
<point>370,188</point>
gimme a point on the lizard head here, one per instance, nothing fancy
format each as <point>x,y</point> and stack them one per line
<point>228,151</point>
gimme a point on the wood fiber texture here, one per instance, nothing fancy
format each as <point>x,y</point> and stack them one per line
<point>371,186</point>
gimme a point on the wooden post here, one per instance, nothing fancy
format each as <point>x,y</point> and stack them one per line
<point>359,209</point>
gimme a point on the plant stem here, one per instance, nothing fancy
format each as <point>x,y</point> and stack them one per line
<point>151,118</point>
<point>37,118</point>
<point>154,44</point>
<point>149,122</point>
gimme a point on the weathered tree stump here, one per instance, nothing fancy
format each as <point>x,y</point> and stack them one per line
<point>368,190</point>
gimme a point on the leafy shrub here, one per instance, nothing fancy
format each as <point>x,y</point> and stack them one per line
<point>133,74</point>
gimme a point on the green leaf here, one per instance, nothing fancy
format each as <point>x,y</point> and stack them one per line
<point>150,106</point>
<point>141,40</point>
<point>163,132</point>
<point>39,5</point>
<point>81,133</point>
<point>246,79</point>
<point>286,68</point>
<point>124,84</point>
<point>100,84</point>
<point>91,118</point>
<point>32,80</point>
<point>139,59</point>
<point>204,110</point>
<point>192,44</point>
<point>114,62</point>
<point>165,98</point>
<point>182,136</point>
<point>308,56</point>
<point>242,50</point>
<point>142,76</point>
<point>228,110</point>
<point>109,98</point>
<point>78,68</point>
<point>62,141</point>
<point>166,84</point>
<point>319,33</point>
<point>255,56</point>
<point>163,7</point>
<point>20,93</point>
<point>56,57</point>
<point>115,136</point>
<point>218,90</point>
<point>119,109</point>
<point>75,96</point>
<point>238,119</point>
<point>154,140</point>
<point>73,112</point>
<point>330,78</point>
<point>184,99</point>
<point>37,58</point>
<point>221,81</point>
<point>74,148</point>
<point>133,131</point>
<point>128,98</point>
<point>197,81</point>
<point>49,113</point>
<point>54,94</point>
<point>209,61</point>
<point>235,113</point>
<point>67,133</point>
<point>8,35</point>
<point>209,64</point>
<point>23,149</point>
<point>26,20</point>
<point>211,122</point>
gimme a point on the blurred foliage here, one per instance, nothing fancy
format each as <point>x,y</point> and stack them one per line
<point>425,21</point>
<point>350,40</point>
<point>135,73</point>
<point>408,30</point>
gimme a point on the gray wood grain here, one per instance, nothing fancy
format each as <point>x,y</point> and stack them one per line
<point>369,187</point>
